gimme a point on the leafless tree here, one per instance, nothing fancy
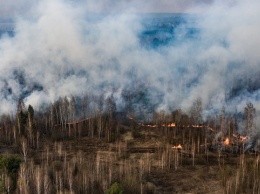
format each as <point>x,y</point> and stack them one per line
<point>250,114</point>
<point>196,111</point>
<point>100,106</point>
<point>222,119</point>
<point>24,148</point>
<point>110,105</point>
<point>38,180</point>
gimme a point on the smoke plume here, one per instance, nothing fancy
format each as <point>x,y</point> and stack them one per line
<point>60,49</point>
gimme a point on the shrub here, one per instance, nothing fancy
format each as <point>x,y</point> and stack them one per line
<point>115,189</point>
<point>10,163</point>
<point>9,166</point>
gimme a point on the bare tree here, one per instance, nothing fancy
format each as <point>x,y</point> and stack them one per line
<point>229,126</point>
<point>30,125</point>
<point>38,180</point>
<point>177,114</point>
<point>196,111</point>
<point>100,106</point>
<point>72,109</point>
<point>250,114</point>
<point>25,149</point>
<point>85,105</point>
<point>222,119</point>
<point>110,105</point>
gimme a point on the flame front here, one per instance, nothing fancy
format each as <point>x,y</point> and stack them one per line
<point>169,125</point>
<point>177,147</point>
<point>172,125</point>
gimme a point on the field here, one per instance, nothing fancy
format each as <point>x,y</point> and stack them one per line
<point>140,158</point>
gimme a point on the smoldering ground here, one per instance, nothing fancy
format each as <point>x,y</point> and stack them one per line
<point>58,50</point>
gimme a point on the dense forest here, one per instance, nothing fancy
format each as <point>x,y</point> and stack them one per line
<point>87,145</point>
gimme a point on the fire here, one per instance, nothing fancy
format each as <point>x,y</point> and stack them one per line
<point>240,137</point>
<point>227,141</point>
<point>153,126</point>
<point>171,125</point>
<point>177,147</point>
<point>243,138</point>
<point>234,135</point>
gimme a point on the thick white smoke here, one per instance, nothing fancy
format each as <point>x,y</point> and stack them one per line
<point>59,49</point>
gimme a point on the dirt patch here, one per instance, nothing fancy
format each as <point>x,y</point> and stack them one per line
<point>186,180</point>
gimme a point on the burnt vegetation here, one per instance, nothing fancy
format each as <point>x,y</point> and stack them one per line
<point>86,145</point>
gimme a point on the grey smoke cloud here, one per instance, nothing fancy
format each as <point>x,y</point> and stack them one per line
<point>11,8</point>
<point>58,49</point>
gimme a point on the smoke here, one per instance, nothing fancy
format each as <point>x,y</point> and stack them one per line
<point>16,7</point>
<point>60,49</point>
<point>229,54</point>
<point>143,6</point>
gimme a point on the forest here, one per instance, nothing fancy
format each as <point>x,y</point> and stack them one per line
<point>129,97</point>
<point>89,145</point>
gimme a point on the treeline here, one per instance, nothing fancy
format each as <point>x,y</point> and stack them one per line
<point>97,116</point>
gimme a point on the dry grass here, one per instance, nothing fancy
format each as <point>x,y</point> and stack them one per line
<point>142,163</point>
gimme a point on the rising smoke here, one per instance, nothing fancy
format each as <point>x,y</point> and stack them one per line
<point>60,49</point>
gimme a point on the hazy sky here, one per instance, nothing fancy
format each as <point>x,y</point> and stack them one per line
<point>148,5</point>
<point>13,7</point>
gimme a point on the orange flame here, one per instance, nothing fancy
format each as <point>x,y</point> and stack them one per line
<point>148,125</point>
<point>177,147</point>
<point>171,125</point>
<point>241,138</point>
<point>227,141</point>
